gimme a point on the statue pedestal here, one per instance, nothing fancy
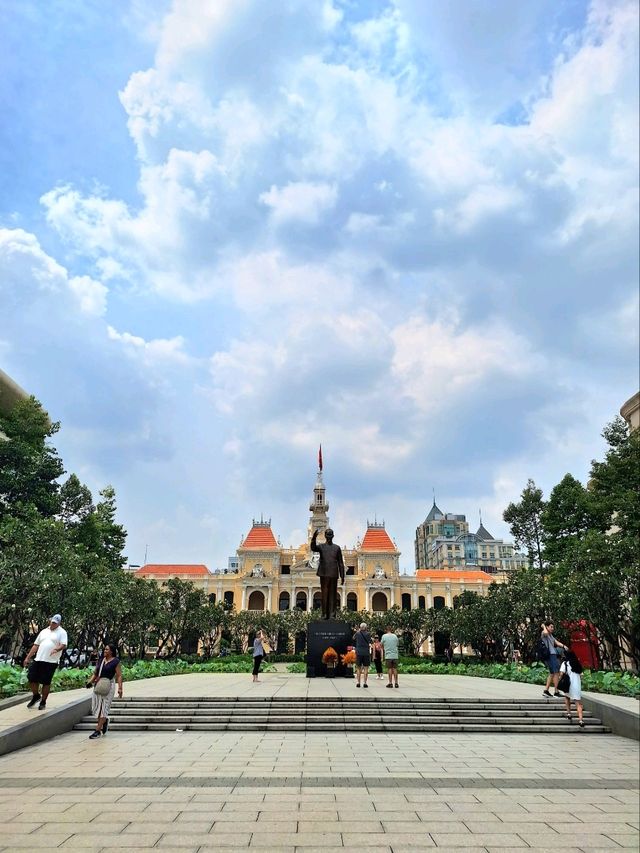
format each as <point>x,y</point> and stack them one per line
<point>322,634</point>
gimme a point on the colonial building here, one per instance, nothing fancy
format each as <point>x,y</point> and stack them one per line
<point>266,576</point>
<point>443,541</point>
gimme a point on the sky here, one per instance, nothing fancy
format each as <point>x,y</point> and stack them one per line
<point>231,230</point>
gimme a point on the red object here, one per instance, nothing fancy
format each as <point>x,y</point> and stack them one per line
<point>320,458</point>
<point>584,643</point>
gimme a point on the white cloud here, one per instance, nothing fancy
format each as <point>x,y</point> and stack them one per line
<point>91,294</point>
<point>153,353</point>
<point>24,261</point>
<point>300,201</point>
<point>435,362</point>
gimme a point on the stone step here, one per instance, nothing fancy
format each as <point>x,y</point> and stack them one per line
<point>352,727</point>
<point>348,714</point>
<point>372,704</point>
<point>556,719</point>
<point>320,700</point>
<point>358,712</point>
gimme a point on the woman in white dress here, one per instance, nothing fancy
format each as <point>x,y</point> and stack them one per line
<point>573,668</point>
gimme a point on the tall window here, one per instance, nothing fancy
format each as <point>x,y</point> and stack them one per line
<point>283,601</point>
<point>352,602</point>
<point>421,603</point>
<point>406,601</point>
<point>379,603</point>
<point>256,600</point>
<point>438,602</point>
<point>301,601</point>
<point>228,598</point>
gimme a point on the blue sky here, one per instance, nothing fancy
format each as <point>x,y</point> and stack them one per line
<point>231,230</point>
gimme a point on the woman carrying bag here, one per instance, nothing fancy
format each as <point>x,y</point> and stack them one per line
<point>103,680</point>
<point>261,648</point>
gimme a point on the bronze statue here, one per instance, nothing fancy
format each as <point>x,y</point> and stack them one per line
<point>331,566</point>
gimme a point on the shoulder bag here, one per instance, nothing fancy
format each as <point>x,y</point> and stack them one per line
<point>103,685</point>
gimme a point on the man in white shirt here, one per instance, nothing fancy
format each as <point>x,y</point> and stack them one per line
<point>48,648</point>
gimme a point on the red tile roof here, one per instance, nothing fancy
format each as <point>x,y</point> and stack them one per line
<point>261,538</point>
<point>377,539</point>
<point>454,575</point>
<point>165,569</point>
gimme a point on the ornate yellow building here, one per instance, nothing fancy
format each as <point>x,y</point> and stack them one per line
<point>268,576</point>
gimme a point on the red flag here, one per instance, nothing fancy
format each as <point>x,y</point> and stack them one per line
<point>320,458</point>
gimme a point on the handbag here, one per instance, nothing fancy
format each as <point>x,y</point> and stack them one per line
<point>103,685</point>
<point>565,681</point>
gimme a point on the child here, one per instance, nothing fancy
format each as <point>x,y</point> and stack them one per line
<point>572,666</point>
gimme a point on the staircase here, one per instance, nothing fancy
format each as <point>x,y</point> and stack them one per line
<point>347,714</point>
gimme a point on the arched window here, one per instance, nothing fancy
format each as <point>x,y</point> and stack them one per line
<point>256,600</point>
<point>212,598</point>
<point>283,601</point>
<point>228,598</point>
<point>352,602</point>
<point>438,602</point>
<point>379,602</point>
<point>317,601</point>
<point>422,605</point>
<point>406,601</point>
<point>301,601</point>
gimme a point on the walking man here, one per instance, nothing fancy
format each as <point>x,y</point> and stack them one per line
<point>391,646</point>
<point>362,640</point>
<point>48,648</point>
<point>553,662</point>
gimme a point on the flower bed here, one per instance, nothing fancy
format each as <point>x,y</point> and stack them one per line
<point>618,683</point>
<point>14,679</point>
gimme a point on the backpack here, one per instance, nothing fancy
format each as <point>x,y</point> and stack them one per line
<point>564,683</point>
<point>541,650</point>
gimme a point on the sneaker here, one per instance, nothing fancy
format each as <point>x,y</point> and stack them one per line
<point>397,685</point>
<point>569,717</point>
<point>546,693</point>
<point>105,727</point>
<point>365,685</point>
<point>389,685</point>
<point>357,685</point>
<point>581,723</point>
<point>33,701</point>
<point>94,735</point>
<point>42,706</point>
<point>557,695</point>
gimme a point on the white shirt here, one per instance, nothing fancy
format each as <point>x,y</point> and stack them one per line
<point>47,640</point>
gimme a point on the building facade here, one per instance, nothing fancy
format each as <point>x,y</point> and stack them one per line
<point>443,542</point>
<point>630,411</point>
<point>266,576</point>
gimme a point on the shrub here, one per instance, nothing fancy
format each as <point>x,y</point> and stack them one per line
<point>297,667</point>
<point>13,679</point>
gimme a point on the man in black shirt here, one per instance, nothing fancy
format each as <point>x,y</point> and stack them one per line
<point>362,639</point>
<point>331,567</point>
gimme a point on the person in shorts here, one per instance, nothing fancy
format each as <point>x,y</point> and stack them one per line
<point>553,661</point>
<point>376,653</point>
<point>48,648</point>
<point>362,640</point>
<point>391,647</point>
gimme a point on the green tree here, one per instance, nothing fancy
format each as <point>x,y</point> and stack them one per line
<point>29,465</point>
<point>568,514</point>
<point>525,522</point>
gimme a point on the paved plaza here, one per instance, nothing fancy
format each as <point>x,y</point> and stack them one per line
<point>206,791</point>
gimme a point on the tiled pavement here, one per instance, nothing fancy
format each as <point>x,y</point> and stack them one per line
<point>288,792</point>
